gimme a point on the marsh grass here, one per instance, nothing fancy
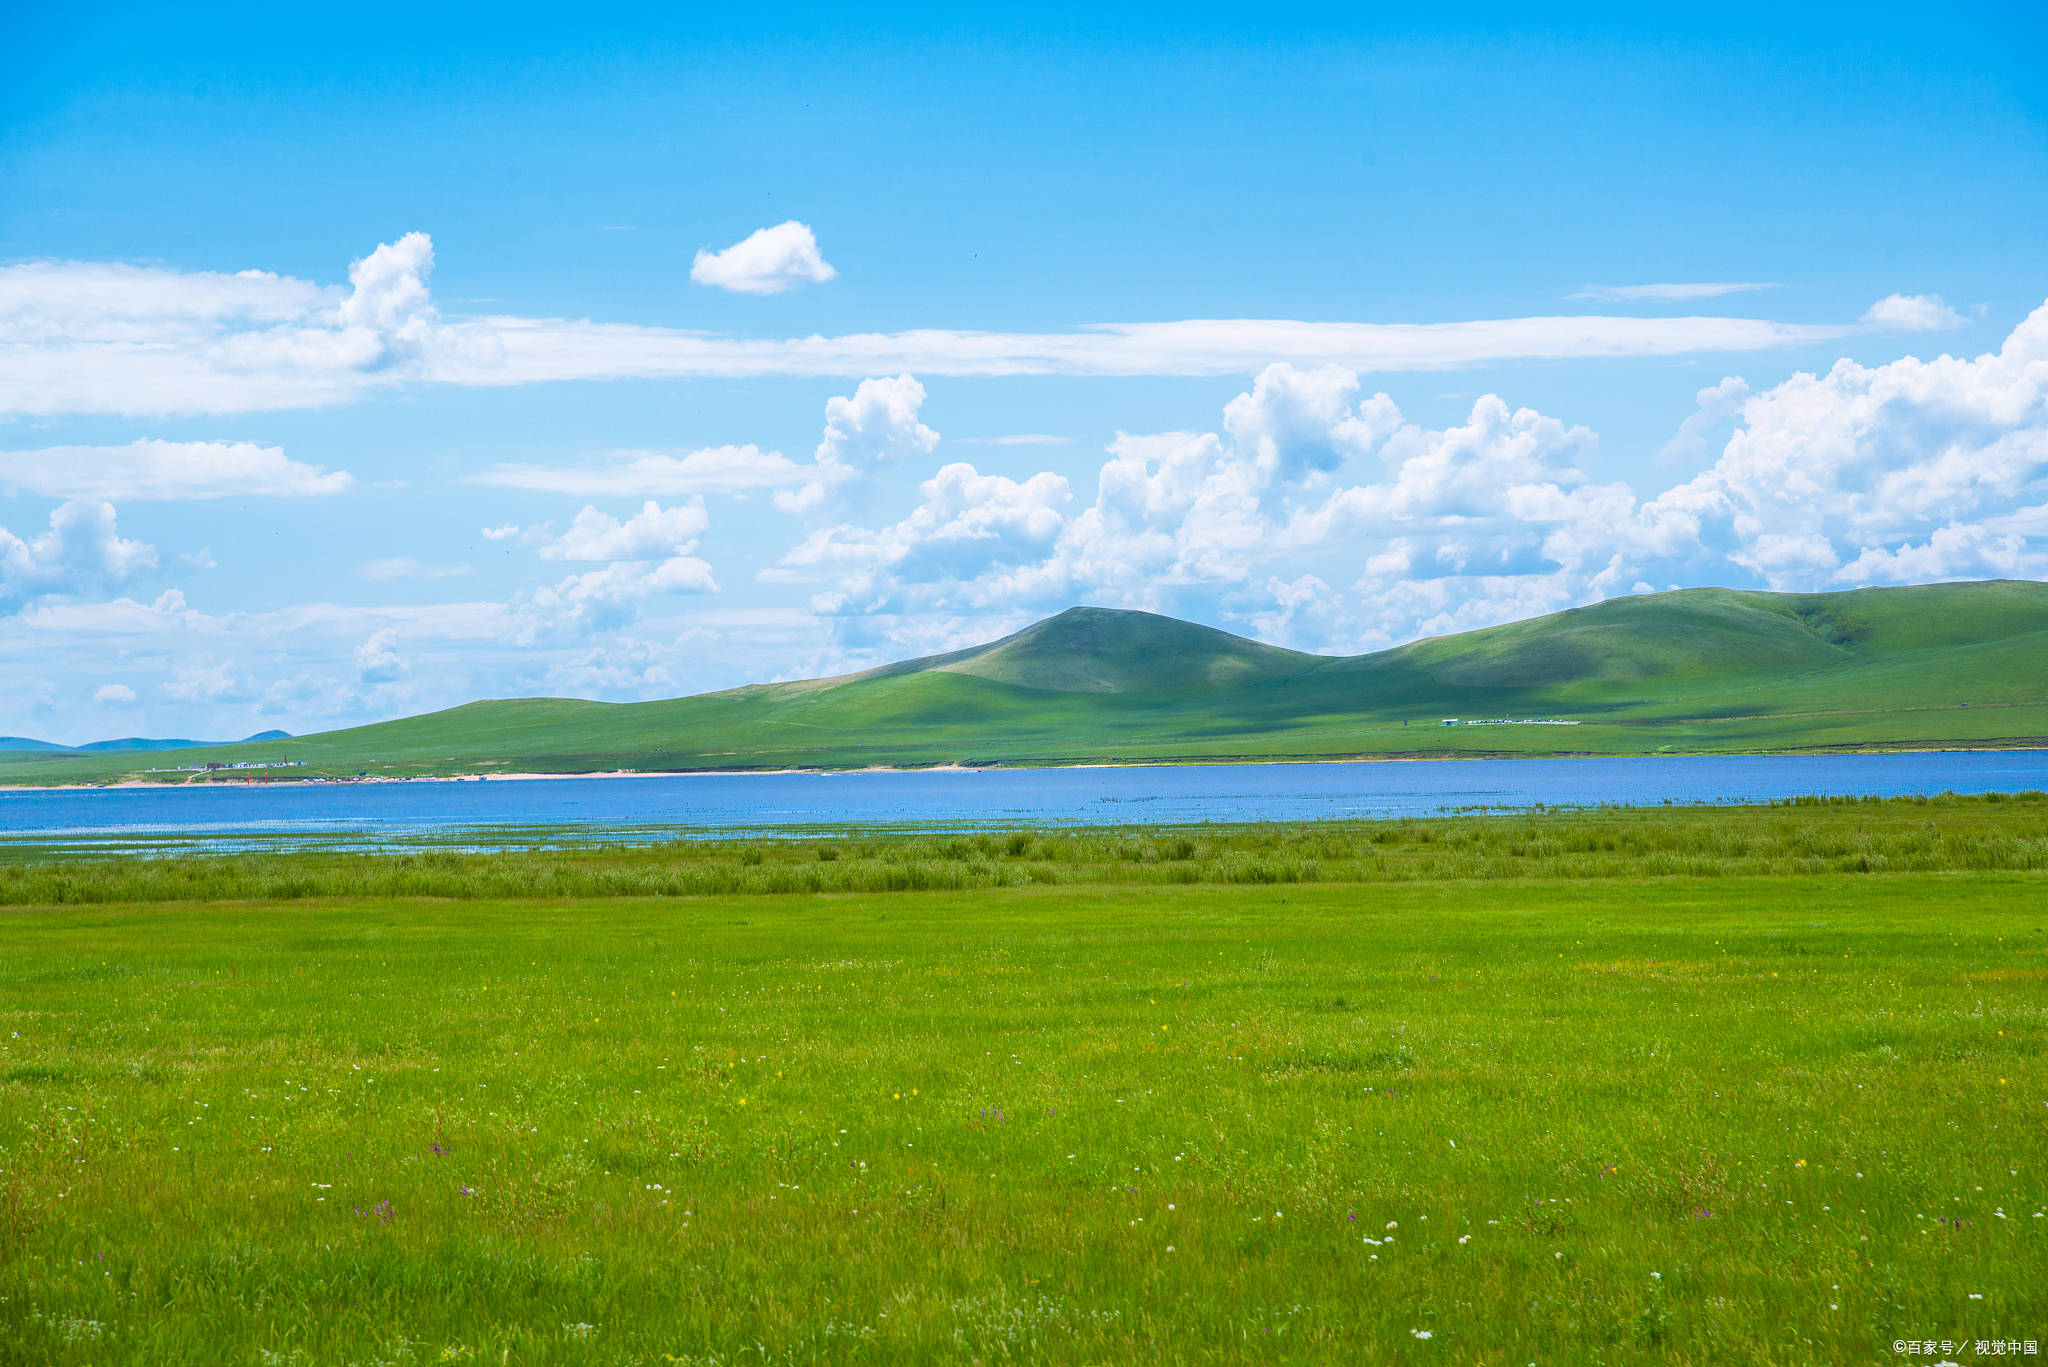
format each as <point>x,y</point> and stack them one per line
<point>1947,834</point>
<point>1760,1085</point>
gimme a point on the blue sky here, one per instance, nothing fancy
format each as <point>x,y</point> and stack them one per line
<point>1415,326</point>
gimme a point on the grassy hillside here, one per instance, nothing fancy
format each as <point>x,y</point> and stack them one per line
<point>1701,670</point>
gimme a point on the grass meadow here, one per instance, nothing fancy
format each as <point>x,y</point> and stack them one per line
<point>1752,1086</point>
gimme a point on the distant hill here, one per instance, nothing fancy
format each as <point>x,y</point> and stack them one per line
<point>1694,671</point>
<point>130,743</point>
<point>1096,650</point>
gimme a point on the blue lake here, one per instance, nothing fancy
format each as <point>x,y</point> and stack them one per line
<point>522,811</point>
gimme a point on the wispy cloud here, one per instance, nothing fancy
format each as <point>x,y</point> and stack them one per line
<point>1702,289</point>
<point>87,338</point>
<point>655,474</point>
<point>406,567</point>
<point>149,470</point>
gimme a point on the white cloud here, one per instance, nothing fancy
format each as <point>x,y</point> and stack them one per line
<point>52,298</point>
<point>1313,512</point>
<point>1858,475</point>
<point>1717,405</point>
<point>1185,520</point>
<point>377,659</point>
<point>656,474</point>
<point>1865,474</point>
<point>877,423</point>
<point>1912,313</point>
<point>322,693</point>
<point>653,533</point>
<point>646,556</point>
<point>1299,423</point>
<point>389,297</point>
<point>202,683</point>
<point>1957,551</point>
<point>82,337</point>
<point>968,527</point>
<point>767,261</point>
<point>80,553</point>
<point>404,567</point>
<point>147,470</point>
<point>1505,465</point>
<point>609,598</point>
<point>119,694</point>
<point>1706,289</point>
<point>627,666</point>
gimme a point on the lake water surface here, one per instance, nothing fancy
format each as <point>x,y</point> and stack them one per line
<point>525,811</point>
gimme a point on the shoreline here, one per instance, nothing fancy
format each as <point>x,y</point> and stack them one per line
<point>141,785</point>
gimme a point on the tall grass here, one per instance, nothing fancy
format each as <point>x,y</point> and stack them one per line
<point>1949,834</point>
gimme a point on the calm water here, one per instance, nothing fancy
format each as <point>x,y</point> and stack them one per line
<point>525,811</point>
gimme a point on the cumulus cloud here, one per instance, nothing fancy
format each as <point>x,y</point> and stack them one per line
<point>653,533</point>
<point>608,598</point>
<point>1954,551</point>
<point>388,294</point>
<point>1299,423</point>
<point>1511,465</point>
<point>115,694</point>
<point>767,261</point>
<point>649,555</point>
<point>151,470</point>
<point>1851,476</point>
<point>377,659</point>
<point>877,423</point>
<point>1325,518</point>
<point>1717,406</point>
<point>1304,468</point>
<point>83,337</point>
<point>80,553</point>
<point>968,528</point>
<point>1912,313</point>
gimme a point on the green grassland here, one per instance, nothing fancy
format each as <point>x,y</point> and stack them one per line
<point>1746,1086</point>
<point>1695,671</point>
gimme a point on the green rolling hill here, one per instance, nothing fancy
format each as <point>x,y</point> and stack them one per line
<point>1695,671</point>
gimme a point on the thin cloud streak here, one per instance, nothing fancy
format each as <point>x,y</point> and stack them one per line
<point>78,338</point>
<point>1707,289</point>
<point>533,351</point>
